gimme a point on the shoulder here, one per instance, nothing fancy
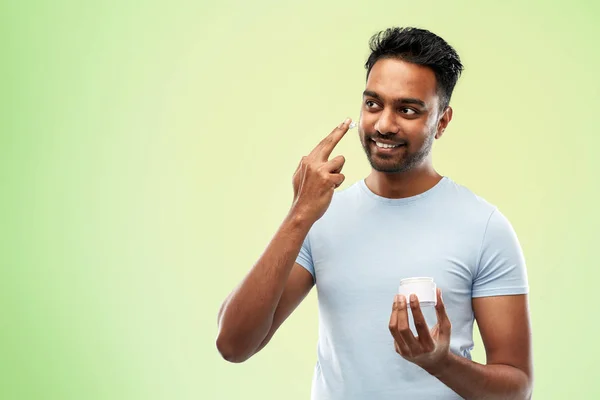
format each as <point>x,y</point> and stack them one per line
<point>344,203</point>
<point>464,197</point>
<point>345,198</point>
<point>496,227</point>
<point>347,194</point>
<point>469,205</point>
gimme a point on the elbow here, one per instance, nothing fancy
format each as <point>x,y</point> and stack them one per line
<point>229,352</point>
<point>526,394</point>
<point>526,391</point>
<point>529,390</point>
<point>529,382</point>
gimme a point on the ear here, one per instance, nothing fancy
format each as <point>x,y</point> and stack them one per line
<point>443,122</point>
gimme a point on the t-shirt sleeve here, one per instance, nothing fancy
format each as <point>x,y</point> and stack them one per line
<point>501,269</point>
<point>305,257</point>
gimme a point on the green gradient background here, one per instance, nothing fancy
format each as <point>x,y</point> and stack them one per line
<point>147,151</point>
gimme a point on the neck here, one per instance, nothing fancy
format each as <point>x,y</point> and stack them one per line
<point>403,184</point>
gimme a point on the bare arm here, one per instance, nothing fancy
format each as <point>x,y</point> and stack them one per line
<point>298,286</point>
<point>504,325</point>
<point>508,373</point>
<point>273,288</point>
<point>247,315</point>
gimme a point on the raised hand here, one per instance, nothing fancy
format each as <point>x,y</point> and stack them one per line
<point>317,177</point>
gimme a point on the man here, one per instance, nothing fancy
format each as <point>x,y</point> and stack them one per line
<point>404,220</point>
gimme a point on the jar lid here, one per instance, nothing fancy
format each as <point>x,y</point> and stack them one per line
<point>415,280</point>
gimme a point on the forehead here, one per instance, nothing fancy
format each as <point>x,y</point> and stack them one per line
<point>392,78</point>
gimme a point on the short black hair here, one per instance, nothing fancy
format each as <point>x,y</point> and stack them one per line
<point>419,46</point>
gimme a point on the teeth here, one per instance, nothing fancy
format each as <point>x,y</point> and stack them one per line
<point>386,146</point>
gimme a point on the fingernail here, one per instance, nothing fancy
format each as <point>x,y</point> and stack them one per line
<point>344,122</point>
<point>401,299</point>
<point>413,298</point>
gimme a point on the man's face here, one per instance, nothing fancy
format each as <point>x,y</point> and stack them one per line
<point>401,108</point>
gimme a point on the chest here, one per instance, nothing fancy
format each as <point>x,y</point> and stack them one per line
<point>361,265</point>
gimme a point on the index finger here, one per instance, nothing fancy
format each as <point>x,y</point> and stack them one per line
<point>326,146</point>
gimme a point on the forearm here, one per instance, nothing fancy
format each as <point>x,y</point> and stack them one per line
<point>247,314</point>
<point>472,380</point>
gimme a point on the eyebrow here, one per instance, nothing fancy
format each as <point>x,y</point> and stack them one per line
<point>402,100</point>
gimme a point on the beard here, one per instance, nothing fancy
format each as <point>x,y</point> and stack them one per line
<point>402,160</point>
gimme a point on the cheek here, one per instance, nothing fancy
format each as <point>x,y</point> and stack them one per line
<point>367,123</point>
<point>415,127</point>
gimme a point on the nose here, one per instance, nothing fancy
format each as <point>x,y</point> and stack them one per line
<point>386,124</point>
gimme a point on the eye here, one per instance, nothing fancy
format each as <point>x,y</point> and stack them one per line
<point>408,111</point>
<point>370,104</point>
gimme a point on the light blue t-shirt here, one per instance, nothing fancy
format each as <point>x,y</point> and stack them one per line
<point>360,250</point>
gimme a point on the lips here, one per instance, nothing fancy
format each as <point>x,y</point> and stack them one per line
<point>386,145</point>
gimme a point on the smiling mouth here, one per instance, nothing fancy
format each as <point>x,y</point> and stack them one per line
<point>387,146</point>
